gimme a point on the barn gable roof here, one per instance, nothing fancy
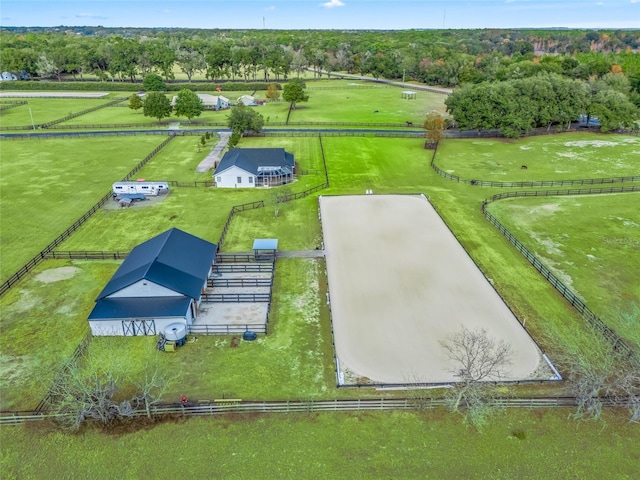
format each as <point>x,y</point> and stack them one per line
<point>174,259</point>
<point>139,308</point>
<point>253,159</point>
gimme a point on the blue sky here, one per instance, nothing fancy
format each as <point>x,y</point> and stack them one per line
<point>324,14</point>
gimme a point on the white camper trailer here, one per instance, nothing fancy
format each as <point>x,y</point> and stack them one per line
<point>144,187</point>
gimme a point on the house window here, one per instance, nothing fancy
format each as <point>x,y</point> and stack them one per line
<point>250,179</point>
<point>118,188</point>
<point>144,187</point>
<point>218,179</point>
<point>239,180</point>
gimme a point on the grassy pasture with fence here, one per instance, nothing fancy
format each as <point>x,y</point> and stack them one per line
<point>543,444</point>
<point>356,101</point>
<point>549,157</point>
<point>46,185</point>
<point>46,110</point>
<point>598,256</point>
<point>44,316</point>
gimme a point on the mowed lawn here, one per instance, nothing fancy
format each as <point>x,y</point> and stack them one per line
<point>522,444</point>
<point>43,321</point>
<point>548,157</point>
<point>360,102</point>
<point>124,115</point>
<point>46,185</point>
<point>45,110</point>
<point>201,211</point>
<point>592,243</point>
<point>46,318</point>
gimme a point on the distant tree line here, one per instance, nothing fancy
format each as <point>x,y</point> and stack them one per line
<point>437,57</point>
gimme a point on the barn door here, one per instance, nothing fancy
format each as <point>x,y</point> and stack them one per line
<point>149,327</point>
<point>128,329</point>
<point>134,328</point>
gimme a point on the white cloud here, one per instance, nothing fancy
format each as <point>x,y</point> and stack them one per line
<point>332,3</point>
<point>165,11</point>
<point>270,9</point>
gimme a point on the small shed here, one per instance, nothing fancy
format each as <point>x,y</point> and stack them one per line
<point>409,94</point>
<point>265,248</point>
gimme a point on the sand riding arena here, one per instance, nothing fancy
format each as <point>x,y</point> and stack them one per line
<point>400,284</point>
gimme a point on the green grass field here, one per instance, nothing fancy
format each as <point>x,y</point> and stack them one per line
<point>46,110</point>
<point>522,444</point>
<point>549,157</point>
<point>592,243</point>
<point>48,184</point>
<point>44,316</point>
<point>382,104</point>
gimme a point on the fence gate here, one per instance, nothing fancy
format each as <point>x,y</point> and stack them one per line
<point>134,328</point>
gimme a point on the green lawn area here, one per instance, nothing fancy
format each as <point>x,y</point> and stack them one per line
<point>549,157</point>
<point>47,109</point>
<point>377,445</point>
<point>124,115</point>
<point>353,104</point>
<point>592,243</point>
<point>49,184</point>
<point>43,321</point>
<point>200,211</point>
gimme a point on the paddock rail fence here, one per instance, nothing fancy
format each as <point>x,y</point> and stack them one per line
<point>27,267</point>
<point>227,329</point>
<point>239,406</point>
<point>7,104</point>
<point>578,303</point>
<point>538,183</point>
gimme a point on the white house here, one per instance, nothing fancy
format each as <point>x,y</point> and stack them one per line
<point>159,283</point>
<point>247,101</point>
<point>209,102</point>
<point>146,188</point>
<point>254,167</point>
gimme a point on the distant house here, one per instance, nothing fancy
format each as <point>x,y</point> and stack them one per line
<point>209,102</point>
<point>254,167</point>
<point>247,101</point>
<point>160,283</point>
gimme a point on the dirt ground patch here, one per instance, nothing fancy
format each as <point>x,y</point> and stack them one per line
<point>57,274</point>
<point>399,284</point>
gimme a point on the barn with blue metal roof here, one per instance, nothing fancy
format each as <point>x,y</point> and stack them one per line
<point>159,283</point>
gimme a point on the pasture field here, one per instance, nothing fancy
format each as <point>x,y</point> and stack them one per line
<point>201,211</point>
<point>598,256</point>
<point>343,445</point>
<point>380,104</point>
<point>547,157</point>
<point>46,185</point>
<point>44,319</point>
<point>47,109</point>
<point>44,316</point>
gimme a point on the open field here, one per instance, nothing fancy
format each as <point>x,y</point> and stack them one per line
<point>523,444</point>
<point>46,110</point>
<point>201,211</point>
<point>598,256</point>
<point>548,157</point>
<point>400,284</point>
<point>45,318</point>
<point>382,104</point>
<point>48,184</point>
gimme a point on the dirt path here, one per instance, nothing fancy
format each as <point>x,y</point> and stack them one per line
<point>215,155</point>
